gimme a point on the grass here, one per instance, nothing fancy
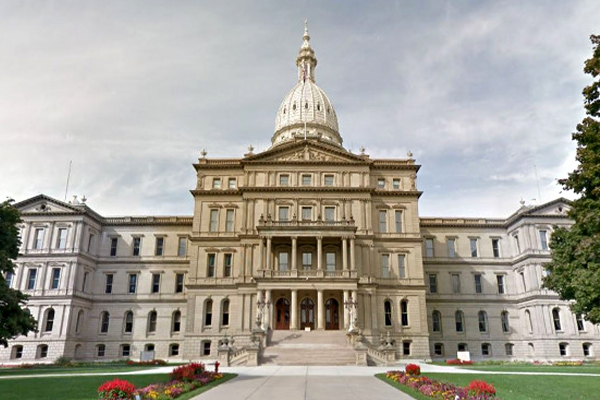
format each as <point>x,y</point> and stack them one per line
<point>583,369</point>
<point>519,387</point>
<point>81,387</point>
<point>74,370</point>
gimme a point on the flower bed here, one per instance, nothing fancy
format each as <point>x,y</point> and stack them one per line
<point>144,363</point>
<point>477,390</point>
<point>457,361</point>
<point>568,363</point>
<point>183,379</point>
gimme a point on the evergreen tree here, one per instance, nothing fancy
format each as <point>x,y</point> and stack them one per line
<point>575,266</point>
<point>14,319</point>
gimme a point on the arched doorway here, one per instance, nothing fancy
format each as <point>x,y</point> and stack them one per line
<point>282,314</point>
<point>307,314</point>
<point>332,316</point>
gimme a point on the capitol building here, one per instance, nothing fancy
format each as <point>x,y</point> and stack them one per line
<point>304,253</point>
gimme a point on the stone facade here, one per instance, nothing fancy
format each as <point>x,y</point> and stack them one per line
<point>302,236</point>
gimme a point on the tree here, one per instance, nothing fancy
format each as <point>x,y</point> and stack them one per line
<point>575,266</point>
<point>14,319</point>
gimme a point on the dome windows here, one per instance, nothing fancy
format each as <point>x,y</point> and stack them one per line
<point>318,106</point>
<point>306,105</point>
<point>294,107</point>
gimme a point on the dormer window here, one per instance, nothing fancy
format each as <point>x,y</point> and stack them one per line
<point>306,105</point>
<point>318,106</point>
<point>294,107</point>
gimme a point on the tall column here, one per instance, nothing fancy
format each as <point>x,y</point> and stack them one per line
<point>269,307</point>
<point>352,256</point>
<point>346,319</point>
<point>374,310</point>
<point>294,255</point>
<point>261,254</point>
<point>244,214</point>
<point>345,253</point>
<point>319,253</point>
<point>355,300</point>
<point>268,255</point>
<point>320,309</point>
<point>369,215</point>
<point>294,313</point>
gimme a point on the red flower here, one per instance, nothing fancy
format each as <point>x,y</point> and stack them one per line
<point>481,387</point>
<point>413,369</point>
<point>116,389</point>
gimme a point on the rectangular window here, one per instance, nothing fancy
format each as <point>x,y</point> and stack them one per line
<point>401,266</point>
<point>451,247</point>
<point>306,213</point>
<point>84,282</point>
<point>216,183</point>
<point>55,278</point>
<point>113,246</point>
<point>522,275</point>
<point>90,243</point>
<point>211,265</point>
<point>306,261</point>
<point>517,244</point>
<point>137,241</point>
<point>284,180</point>
<point>159,247</point>
<point>406,348</point>
<point>329,214</point>
<point>455,283</point>
<point>544,240</point>
<point>182,247</point>
<point>380,183</point>
<point>179,283</point>
<point>396,184</point>
<point>38,239</point>
<point>500,282</point>
<point>125,350</point>
<point>229,220</point>
<point>232,183</point>
<point>429,247</point>
<point>473,242</point>
<point>478,288</point>
<point>61,241</point>
<point>328,180</point>
<point>432,283</point>
<point>227,264</point>
<point>155,283</point>
<point>284,214</point>
<point>206,348</point>
<point>31,279</point>
<point>214,220</point>
<point>496,248</point>
<point>132,283</point>
<point>306,180</point>
<point>385,265</point>
<point>580,323</point>
<point>438,349</point>
<point>9,278</point>
<point>398,221</point>
<point>108,284</point>
<point>382,221</point>
<point>283,261</point>
<point>330,261</point>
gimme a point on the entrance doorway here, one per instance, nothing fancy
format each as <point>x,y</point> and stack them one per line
<point>282,314</point>
<point>332,317</point>
<point>307,314</point>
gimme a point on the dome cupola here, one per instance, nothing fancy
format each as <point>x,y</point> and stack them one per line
<point>306,112</point>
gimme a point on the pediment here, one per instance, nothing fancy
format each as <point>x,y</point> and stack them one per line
<point>45,204</point>
<point>306,152</point>
<point>557,207</point>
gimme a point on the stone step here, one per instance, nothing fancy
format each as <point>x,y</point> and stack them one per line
<point>308,348</point>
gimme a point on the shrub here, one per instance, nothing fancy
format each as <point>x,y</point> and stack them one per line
<point>187,372</point>
<point>63,361</point>
<point>413,369</point>
<point>145,363</point>
<point>479,388</point>
<point>116,389</point>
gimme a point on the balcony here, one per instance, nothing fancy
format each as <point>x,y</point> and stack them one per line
<point>306,274</point>
<point>268,224</point>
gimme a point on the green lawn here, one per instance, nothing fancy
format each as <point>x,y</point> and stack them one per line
<point>521,387</point>
<point>74,370</point>
<point>79,387</point>
<point>584,369</point>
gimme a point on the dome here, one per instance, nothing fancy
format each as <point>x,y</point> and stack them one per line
<point>306,111</point>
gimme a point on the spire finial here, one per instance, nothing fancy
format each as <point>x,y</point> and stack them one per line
<point>306,60</point>
<point>306,37</point>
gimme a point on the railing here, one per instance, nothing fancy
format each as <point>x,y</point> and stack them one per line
<point>320,223</point>
<point>292,274</point>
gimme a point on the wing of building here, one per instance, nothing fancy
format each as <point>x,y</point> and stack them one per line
<point>305,246</point>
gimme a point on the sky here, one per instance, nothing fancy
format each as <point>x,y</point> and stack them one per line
<point>485,94</point>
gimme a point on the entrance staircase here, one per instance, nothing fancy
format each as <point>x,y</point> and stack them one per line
<point>308,348</point>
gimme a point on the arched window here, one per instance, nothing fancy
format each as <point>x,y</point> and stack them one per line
<point>482,318</point>
<point>152,317</point>
<point>438,349</point>
<point>459,320</point>
<point>387,310</point>
<point>100,350</point>
<point>531,349</point>
<point>17,351</point>
<point>486,349</point>
<point>505,324</point>
<point>556,319</point>
<point>587,349</point>
<point>77,351</point>
<point>508,349</point>
<point>128,322</point>
<point>462,347</point>
<point>563,348</point>
<point>404,312</point>
<point>49,320</point>
<point>208,312</point>
<point>125,350</point>
<point>104,321</point>
<point>176,324</point>
<point>225,313</point>
<point>529,321</point>
<point>174,349</point>
<point>79,321</point>
<point>42,351</point>
<point>436,319</point>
